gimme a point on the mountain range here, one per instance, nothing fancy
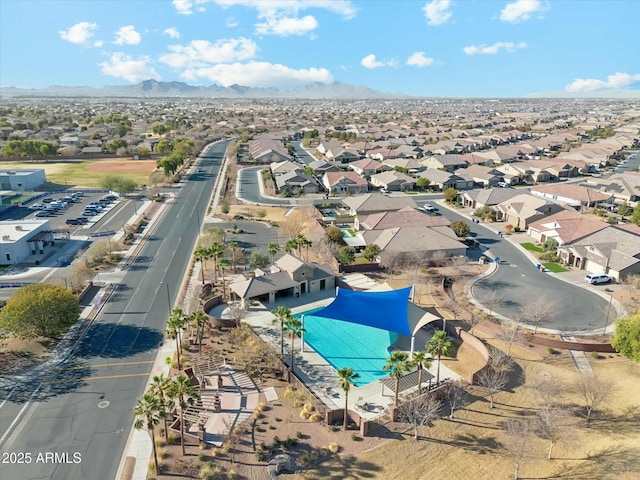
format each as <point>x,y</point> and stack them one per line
<point>154,88</point>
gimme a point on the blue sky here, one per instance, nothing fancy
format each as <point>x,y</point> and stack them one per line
<point>480,48</point>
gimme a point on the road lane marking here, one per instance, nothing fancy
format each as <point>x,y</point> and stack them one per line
<point>17,419</point>
<point>103,377</point>
<point>108,365</point>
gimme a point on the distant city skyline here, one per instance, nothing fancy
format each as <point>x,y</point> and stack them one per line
<point>509,48</point>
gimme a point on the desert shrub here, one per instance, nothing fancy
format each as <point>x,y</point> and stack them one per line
<point>334,447</point>
<point>304,414</point>
<point>333,428</point>
<point>595,355</point>
<point>210,472</point>
<point>162,453</point>
<point>298,403</point>
<point>551,351</point>
<point>173,438</point>
<point>550,257</point>
<point>260,407</point>
<point>354,437</point>
<point>298,434</point>
<point>231,474</point>
<point>152,466</point>
<point>315,418</point>
<point>308,407</point>
<point>304,461</point>
<point>160,442</point>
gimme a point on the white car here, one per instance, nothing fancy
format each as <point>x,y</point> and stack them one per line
<point>36,206</point>
<point>597,278</point>
<point>429,208</point>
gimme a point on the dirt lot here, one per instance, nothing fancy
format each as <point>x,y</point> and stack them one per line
<point>116,167</point>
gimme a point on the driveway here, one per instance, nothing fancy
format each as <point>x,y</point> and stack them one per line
<point>249,189</point>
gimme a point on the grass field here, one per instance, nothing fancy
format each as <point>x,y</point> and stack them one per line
<point>554,267</point>
<point>88,173</point>
<point>531,247</point>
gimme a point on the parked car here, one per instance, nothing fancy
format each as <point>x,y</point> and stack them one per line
<point>429,208</point>
<point>47,200</point>
<point>72,221</point>
<point>83,220</point>
<point>89,212</point>
<point>36,206</point>
<point>503,185</point>
<point>597,278</point>
<point>44,213</point>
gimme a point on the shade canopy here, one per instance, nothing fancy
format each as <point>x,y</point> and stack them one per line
<point>386,310</point>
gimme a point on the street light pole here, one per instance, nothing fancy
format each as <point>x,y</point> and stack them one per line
<point>606,320</point>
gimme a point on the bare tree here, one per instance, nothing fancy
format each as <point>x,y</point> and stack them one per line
<point>492,300</point>
<point>518,432</point>
<point>594,391</point>
<point>539,311</point>
<point>453,306</point>
<point>456,396</point>
<point>420,411</point>
<point>260,358</point>
<point>545,390</point>
<point>550,424</point>
<point>293,224</point>
<point>475,320</point>
<point>237,312</point>
<point>509,333</point>
<point>493,380</point>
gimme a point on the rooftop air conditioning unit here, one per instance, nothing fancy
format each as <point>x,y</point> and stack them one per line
<point>11,172</point>
<point>19,227</point>
<point>6,237</point>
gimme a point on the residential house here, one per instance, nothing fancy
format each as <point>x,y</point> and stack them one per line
<point>320,167</point>
<point>405,217</point>
<point>625,187</point>
<point>334,150</point>
<point>367,167</point>
<point>341,183</point>
<point>488,197</point>
<point>266,151</point>
<point>444,162</point>
<point>296,183</point>
<point>393,181</point>
<point>613,251</point>
<point>289,277</point>
<point>443,180</point>
<point>409,164</point>
<point>566,227</point>
<point>376,202</point>
<point>486,176</point>
<point>418,245</point>
<point>573,195</point>
<point>286,166</point>
<point>525,172</point>
<point>522,210</point>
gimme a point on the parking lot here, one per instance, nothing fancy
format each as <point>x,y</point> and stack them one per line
<point>67,210</point>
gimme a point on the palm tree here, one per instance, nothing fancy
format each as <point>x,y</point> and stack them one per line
<point>347,380</point>
<point>293,325</point>
<point>147,407</point>
<point>200,254</point>
<point>290,246</point>
<point>397,364</point>
<point>273,248</point>
<point>440,344</point>
<point>233,246</point>
<point>215,251</point>
<point>200,320</point>
<point>175,324</point>
<point>159,388</point>
<point>421,361</point>
<point>304,242</point>
<point>300,240</point>
<point>185,394</point>
<point>280,314</point>
<point>223,263</point>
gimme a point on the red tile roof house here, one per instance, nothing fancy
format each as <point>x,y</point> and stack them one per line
<point>367,167</point>
<point>565,227</point>
<point>344,183</point>
<point>572,195</point>
<point>524,209</point>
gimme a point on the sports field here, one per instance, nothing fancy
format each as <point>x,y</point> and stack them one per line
<point>87,173</point>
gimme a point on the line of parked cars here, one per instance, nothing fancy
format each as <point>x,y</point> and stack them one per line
<point>49,207</point>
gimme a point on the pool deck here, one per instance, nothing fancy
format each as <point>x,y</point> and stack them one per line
<point>370,400</point>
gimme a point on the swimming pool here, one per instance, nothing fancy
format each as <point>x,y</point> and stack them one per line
<point>349,345</point>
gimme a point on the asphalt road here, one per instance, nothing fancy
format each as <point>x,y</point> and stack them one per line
<point>248,188</point>
<point>84,407</point>
<point>519,283</point>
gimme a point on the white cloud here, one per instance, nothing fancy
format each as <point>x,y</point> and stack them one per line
<point>275,8</point>
<point>231,22</point>
<point>418,59</point>
<point>437,12</point>
<point>79,33</point>
<point>617,80</point>
<point>260,74</point>
<point>172,32</point>
<point>201,53</point>
<point>493,49</point>
<point>371,62</point>
<point>98,43</point>
<point>285,26</point>
<point>183,7</point>
<point>125,66</point>
<point>127,36</point>
<point>521,10</point>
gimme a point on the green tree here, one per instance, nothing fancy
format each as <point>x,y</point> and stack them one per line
<point>257,259</point>
<point>346,255</point>
<point>185,394</point>
<point>175,325</point>
<point>421,361</point>
<point>163,146</point>
<point>115,145</point>
<point>440,344</point>
<point>148,409</point>
<point>397,365</point>
<point>293,325</point>
<point>635,217</point>
<point>39,309</point>
<point>624,209</point>
<point>450,195</point>
<point>290,245</point>
<point>281,315</point>
<point>460,228</point>
<point>273,248</point>
<point>334,234</point>
<point>347,380</point>
<point>371,252</point>
<point>423,183</point>
<point>550,245</point>
<point>159,388</point>
<point>116,183</point>
<point>626,339</point>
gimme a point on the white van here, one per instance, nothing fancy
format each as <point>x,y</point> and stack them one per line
<point>596,278</point>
